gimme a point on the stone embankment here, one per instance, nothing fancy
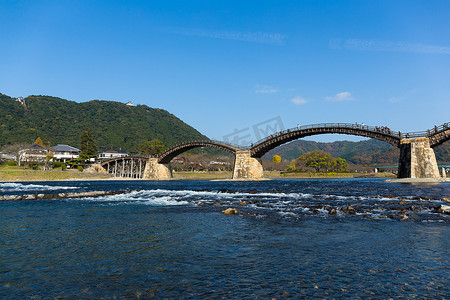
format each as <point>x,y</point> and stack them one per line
<point>58,196</point>
<point>419,180</point>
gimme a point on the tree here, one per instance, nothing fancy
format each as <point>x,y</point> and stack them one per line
<point>153,147</point>
<point>292,166</point>
<point>317,159</point>
<point>14,150</point>
<point>48,159</point>
<point>88,144</point>
<point>340,164</point>
<point>276,159</point>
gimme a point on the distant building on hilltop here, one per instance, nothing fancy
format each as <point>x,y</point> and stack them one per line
<point>129,103</point>
<point>21,100</point>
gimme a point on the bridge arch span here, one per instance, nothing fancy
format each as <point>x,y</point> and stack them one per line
<point>440,137</point>
<point>273,141</point>
<point>168,155</point>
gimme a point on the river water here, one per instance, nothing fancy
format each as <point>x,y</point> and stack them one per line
<point>290,239</point>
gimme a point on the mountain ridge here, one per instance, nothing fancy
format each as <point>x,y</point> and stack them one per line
<point>61,121</point>
<point>115,124</point>
<point>368,152</point>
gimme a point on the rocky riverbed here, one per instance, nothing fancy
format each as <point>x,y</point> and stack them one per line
<point>28,197</point>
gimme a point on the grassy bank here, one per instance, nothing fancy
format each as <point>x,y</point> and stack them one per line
<point>328,175</point>
<point>202,175</point>
<point>20,174</point>
<point>280,175</point>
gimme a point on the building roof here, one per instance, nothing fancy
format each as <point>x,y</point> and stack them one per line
<point>113,150</point>
<point>64,148</point>
<point>36,146</point>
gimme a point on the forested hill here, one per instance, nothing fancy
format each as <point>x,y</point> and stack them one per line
<point>59,121</point>
<point>369,152</point>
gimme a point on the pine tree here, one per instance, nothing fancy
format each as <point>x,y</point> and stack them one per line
<point>153,147</point>
<point>88,144</point>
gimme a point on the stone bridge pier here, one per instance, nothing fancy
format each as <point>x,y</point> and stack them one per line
<point>417,159</point>
<point>247,167</point>
<point>155,170</point>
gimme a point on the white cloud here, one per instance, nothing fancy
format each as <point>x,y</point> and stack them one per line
<point>402,98</point>
<point>396,99</point>
<point>390,46</point>
<point>253,37</point>
<point>343,96</point>
<point>265,89</point>
<point>299,101</point>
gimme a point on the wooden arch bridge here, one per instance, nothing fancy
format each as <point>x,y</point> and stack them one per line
<point>417,159</point>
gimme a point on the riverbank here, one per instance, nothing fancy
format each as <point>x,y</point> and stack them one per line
<point>419,180</point>
<point>17,174</point>
<point>280,175</point>
<point>322,175</point>
<point>9,174</point>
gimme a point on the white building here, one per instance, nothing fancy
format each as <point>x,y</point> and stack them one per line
<point>112,153</point>
<point>64,153</point>
<point>35,152</point>
<point>7,156</point>
<point>21,100</point>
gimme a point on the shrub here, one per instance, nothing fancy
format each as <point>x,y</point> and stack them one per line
<point>74,163</point>
<point>12,163</point>
<point>80,168</point>
<point>56,164</point>
<point>33,165</point>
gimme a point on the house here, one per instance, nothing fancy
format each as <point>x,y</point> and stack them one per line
<point>7,156</point>
<point>35,152</point>
<point>64,153</point>
<point>112,153</point>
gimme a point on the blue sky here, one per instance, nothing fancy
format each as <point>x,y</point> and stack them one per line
<point>226,65</point>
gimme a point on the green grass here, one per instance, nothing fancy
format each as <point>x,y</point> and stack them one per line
<point>16,174</point>
<point>298,174</point>
<point>202,175</point>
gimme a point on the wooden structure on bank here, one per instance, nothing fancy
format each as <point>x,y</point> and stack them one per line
<point>126,167</point>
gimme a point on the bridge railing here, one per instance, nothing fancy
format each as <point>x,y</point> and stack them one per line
<point>105,159</point>
<point>228,144</point>
<point>376,129</point>
<point>429,132</point>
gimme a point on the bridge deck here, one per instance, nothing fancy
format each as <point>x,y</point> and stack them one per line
<point>133,166</point>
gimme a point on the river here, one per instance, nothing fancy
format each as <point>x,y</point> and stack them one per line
<point>343,238</point>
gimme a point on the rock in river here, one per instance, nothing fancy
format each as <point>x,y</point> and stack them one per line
<point>443,209</point>
<point>230,211</point>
